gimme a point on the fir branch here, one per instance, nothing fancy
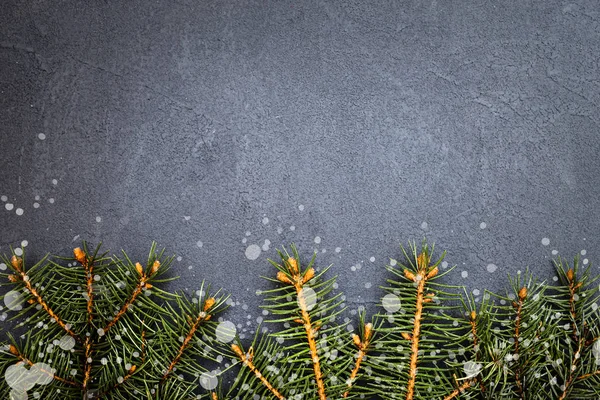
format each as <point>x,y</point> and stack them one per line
<point>518,305</point>
<point>17,264</point>
<point>14,351</point>
<point>294,277</point>
<point>424,273</point>
<point>363,345</point>
<point>88,266</point>
<point>142,284</point>
<point>467,384</point>
<point>246,360</point>
<point>194,324</point>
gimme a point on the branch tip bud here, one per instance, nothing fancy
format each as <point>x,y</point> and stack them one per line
<point>570,275</point>
<point>155,267</point>
<point>139,268</point>
<point>13,350</point>
<point>409,275</point>
<point>432,273</point>
<point>308,275</point>
<point>79,255</point>
<point>209,303</point>
<point>282,277</point>
<point>523,293</point>
<point>16,262</point>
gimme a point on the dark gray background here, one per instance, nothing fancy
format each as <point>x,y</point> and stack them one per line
<point>211,126</point>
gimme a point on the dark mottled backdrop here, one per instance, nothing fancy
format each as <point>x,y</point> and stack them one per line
<point>224,129</point>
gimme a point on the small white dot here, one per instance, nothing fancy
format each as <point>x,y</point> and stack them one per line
<point>9,206</point>
<point>54,182</point>
<point>372,259</point>
<point>317,239</point>
<point>583,252</point>
<point>491,268</point>
<point>51,200</point>
<point>545,241</point>
<point>554,252</point>
<point>36,205</point>
<point>464,274</point>
<point>424,226</point>
<point>98,219</point>
<point>199,243</point>
<point>4,198</point>
<point>19,251</point>
<point>41,136</point>
<point>292,228</point>
<point>24,243</point>
<point>19,211</point>
<point>586,261</point>
<point>301,207</point>
<point>338,249</point>
<point>482,225</point>
<point>265,221</point>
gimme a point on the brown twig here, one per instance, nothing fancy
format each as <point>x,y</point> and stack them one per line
<point>298,280</point>
<point>362,351</point>
<point>202,316</point>
<point>519,307</point>
<point>420,279</point>
<point>459,390</point>
<point>88,266</point>
<point>246,359</point>
<point>573,287</point>
<point>143,283</point>
<point>17,263</point>
<point>14,351</point>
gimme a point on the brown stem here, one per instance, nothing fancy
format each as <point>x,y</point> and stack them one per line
<point>88,266</point>
<point>17,263</point>
<point>202,316</point>
<point>575,336</point>
<point>362,351</point>
<point>519,306</point>
<point>13,350</point>
<point>247,360</point>
<point>459,390</point>
<point>138,289</point>
<point>422,276</point>
<point>588,375</point>
<point>87,369</point>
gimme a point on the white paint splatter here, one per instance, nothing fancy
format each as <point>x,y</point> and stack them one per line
<point>41,136</point>
<point>482,225</point>
<point>464,274</point>
<point>98,219</point>
<point>19,211</point>
<point>14,300</point>
<point>424,226</point>
<point>301,207</point>
<point>338,249</point>
<point>545,241</point>
<point>225,331</point>
<point>208,380</point>
<point>9,206</point>
<point>317,239</point>
<point>472,369</point>
<point>66,342</point>
<point>307,299</point>
<point>391,303</point>
<point>372,259</point>
<point>265,221</point>
<point>292,228</point>
<point>199,243</point>
<point>252,252</point>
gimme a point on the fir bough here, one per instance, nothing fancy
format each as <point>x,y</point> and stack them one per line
<point>101,327</point>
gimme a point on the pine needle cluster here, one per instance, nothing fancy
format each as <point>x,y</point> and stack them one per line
<point>101,327</point>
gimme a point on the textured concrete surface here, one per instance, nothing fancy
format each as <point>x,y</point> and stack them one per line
<point>227,129</point>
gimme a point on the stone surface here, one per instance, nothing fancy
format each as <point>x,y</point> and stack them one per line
<point>224,130</point>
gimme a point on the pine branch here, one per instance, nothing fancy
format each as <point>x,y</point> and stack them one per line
<point>424,273</point>
<point>17,264</point>
<point>363,345</point>
<point>246,359</point>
